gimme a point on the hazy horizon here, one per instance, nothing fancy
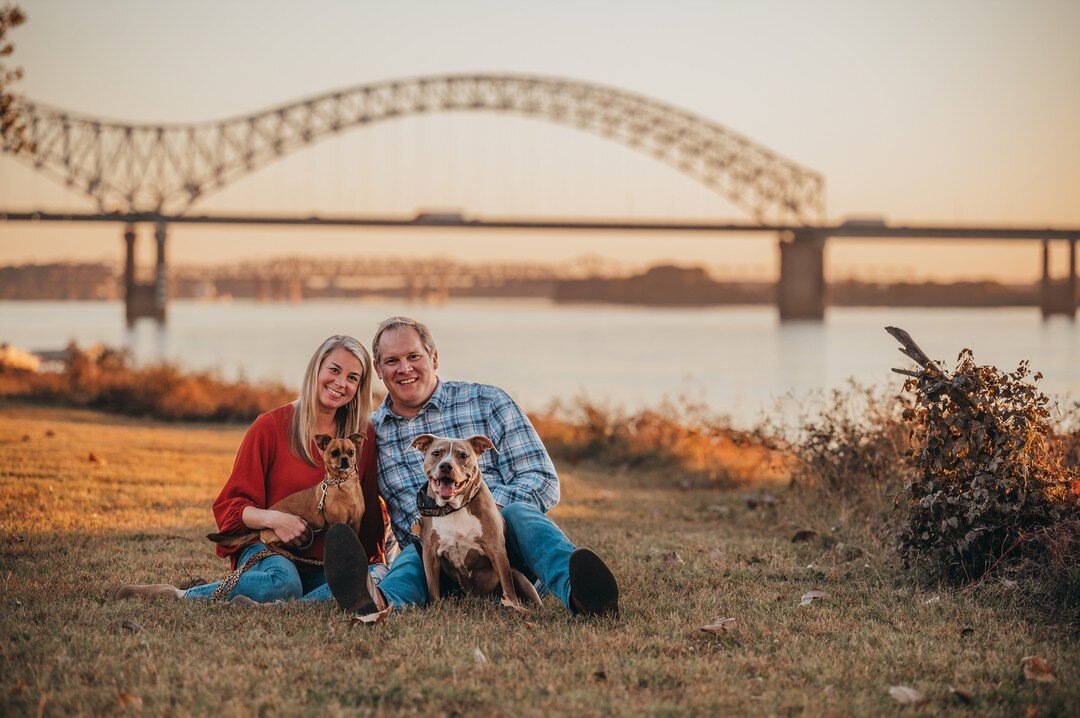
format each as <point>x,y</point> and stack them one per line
<point>915,112</point>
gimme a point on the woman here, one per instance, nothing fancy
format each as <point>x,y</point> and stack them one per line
<point>279,457</point>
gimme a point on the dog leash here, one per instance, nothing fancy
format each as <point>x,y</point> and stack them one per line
<point>229,582</point>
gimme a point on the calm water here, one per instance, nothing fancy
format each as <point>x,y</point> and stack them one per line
<point>736,360</point>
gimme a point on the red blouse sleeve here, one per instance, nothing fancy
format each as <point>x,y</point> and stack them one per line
<point>247,482</point>
<point>372,527</point>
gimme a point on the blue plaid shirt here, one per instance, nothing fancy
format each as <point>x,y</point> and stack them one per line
<point>519,470</point>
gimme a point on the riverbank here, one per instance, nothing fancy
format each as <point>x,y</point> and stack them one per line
<point>91,500</point>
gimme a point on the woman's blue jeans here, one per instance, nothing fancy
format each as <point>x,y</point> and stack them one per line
<point>273,578</point>
<point>536,547</point>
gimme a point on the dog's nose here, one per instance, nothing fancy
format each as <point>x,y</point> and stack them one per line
<point>445,468</point>
<point>344,462</point>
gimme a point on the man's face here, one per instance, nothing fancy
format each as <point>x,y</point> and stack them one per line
<point>407,370</point>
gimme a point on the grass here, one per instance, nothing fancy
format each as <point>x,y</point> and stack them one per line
<point>72,529</point>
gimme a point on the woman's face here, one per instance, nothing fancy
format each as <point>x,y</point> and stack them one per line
<point>339,378</point>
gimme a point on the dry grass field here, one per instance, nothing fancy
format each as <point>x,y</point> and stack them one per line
<point>72,529</point>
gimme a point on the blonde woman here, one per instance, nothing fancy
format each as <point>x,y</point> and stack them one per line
<point>278,457</point>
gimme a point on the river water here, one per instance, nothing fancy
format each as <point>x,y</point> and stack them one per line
<point>739,361</point>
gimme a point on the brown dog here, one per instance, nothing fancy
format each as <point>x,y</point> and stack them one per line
<point>337,499</point>
<point>461,529</point>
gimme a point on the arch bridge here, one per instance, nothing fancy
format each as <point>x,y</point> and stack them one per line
<point>155,173</point>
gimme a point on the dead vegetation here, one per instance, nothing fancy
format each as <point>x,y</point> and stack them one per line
<point>107,379</point>
<point>687,558</point>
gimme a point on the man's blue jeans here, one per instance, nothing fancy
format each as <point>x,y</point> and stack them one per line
<point>536,547</point>
<point>273,578</point>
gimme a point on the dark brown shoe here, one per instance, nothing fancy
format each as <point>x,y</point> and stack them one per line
<point>345,565</point>
<point>593,588</point>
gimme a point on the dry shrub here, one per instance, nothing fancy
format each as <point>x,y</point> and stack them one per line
<point>985,488</point>
<point>105,379</point>
<point>847,452</point>
<point>680,438</point>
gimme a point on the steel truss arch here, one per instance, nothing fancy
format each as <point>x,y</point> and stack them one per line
<point>166,168</point>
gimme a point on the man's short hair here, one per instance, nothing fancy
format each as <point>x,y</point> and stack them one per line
<point>402,323</point>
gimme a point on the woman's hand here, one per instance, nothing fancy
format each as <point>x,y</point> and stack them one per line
<point>291,529</point>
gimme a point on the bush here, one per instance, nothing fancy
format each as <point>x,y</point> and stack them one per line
<point>105,379</point>
<point>847,461</point>
<point>681,439</point>
<point>985,488</point>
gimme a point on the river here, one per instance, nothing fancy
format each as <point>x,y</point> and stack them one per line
<point>738,361</point>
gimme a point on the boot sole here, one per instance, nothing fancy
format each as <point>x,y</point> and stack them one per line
<point>345,567</point>
<point>593,588</point>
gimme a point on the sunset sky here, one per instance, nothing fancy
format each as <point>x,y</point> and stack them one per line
<point>917,112</point>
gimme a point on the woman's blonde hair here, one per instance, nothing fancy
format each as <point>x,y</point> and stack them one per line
<point>352,418</point>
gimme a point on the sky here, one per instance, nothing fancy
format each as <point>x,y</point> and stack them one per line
<point>946,112</point>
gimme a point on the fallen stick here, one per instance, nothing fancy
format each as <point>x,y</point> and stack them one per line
<point>910,349</point>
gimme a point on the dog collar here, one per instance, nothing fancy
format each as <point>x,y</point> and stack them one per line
<point>427,506</point>
<point>330,481</point>
<point>327,482</point>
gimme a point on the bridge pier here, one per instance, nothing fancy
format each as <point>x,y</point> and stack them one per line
<point>800,293</point>
<point>145,300</point>
<point>1058,296</point>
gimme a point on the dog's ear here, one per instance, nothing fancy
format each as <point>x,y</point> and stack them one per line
<point>321,440</point>
<point>422,442</point>
<point>480,444</point>
<point>357,439</point>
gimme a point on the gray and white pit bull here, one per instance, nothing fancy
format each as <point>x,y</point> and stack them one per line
<point>461,530</point>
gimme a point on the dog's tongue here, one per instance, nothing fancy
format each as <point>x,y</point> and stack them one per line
<point>445,489</point>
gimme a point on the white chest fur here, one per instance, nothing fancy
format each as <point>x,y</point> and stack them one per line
<point>459,533</point>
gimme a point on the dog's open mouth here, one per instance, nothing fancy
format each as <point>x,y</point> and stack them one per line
<point>446,487</point>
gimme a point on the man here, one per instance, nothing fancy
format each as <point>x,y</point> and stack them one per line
<point>520,475</point>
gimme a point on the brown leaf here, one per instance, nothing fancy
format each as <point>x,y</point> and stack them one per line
<point>907,696</point>
<point>131,626</point>
<point>26,437</point>
<point>529,624</point>
<point>95,459</point>
<point>965,696</point>
<point>515,606</point>
<point>372,618</point>
<point>1037,669</point>
<point>50,432</point>
<point>670,558</point>
<point>719,626</point>
<point>804,536</point>
<point>128,700</point>
<point>809,597</point>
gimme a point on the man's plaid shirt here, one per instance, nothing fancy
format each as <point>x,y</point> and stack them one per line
<point>519,470</point>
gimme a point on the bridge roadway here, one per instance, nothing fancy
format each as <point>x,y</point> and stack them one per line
<point>801,291</point>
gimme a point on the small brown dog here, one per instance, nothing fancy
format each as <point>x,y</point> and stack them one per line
<point>338,499</point>
<point>461,529</point>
